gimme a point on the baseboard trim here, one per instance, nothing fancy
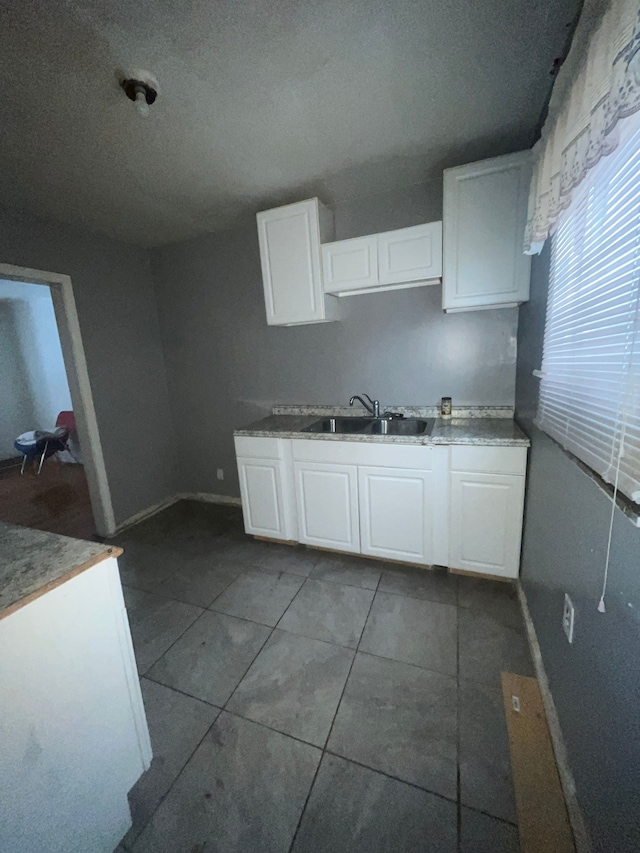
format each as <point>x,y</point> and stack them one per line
<point>209,497</point>
<point>578,826</point>
<point>144,514</point>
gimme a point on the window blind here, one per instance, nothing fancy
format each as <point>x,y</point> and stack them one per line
<point>590,378</point>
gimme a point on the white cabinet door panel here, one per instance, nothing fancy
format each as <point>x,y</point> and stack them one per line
<point>485,210</point>
<point>410,254</point>
<point>327,499</point>
<point>396,513</point>
<point>486,522</point>
<point>289,239</point>
<point>350,264</point>
<point>262,500</point>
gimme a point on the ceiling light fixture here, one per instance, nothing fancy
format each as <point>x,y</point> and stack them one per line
<point>142,89</point>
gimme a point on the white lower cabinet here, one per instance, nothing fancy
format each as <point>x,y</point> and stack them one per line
<point>486,522</point>
<point>459,506</point>
<point>396,513</point>
<point>327,501</point>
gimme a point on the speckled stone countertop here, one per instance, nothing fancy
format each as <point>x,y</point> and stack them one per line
<point>33,562</point>
<point>483,431</point>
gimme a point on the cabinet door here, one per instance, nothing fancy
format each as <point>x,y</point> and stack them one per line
<point>289,239</point>
<point>327,498</point>
<point>261,489</point>
<point>410,254</point>
<point>350,264</point>
<point>486,522</point>
<point>484,217</point>
<point>396,513</point>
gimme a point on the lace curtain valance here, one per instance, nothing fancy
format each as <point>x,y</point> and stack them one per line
<point>598,85</point>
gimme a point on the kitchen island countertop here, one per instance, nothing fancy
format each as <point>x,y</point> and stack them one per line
<point>32,562</point>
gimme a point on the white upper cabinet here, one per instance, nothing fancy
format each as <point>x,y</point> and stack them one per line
<point>350,264</point>
<point>409,257</point>
<point>290,239</point>
<point>410,254</point>
<point>484,218</point>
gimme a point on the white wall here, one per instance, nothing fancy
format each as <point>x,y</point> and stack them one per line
<point>33,379</point>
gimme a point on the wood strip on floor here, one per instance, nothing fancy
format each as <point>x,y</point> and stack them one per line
<point>543,821</point>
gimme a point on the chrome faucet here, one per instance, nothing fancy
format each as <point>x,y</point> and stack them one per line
<point>373,408</point>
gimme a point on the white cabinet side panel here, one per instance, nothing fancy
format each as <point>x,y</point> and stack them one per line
<point>261,492</point>
<point>70,748</point>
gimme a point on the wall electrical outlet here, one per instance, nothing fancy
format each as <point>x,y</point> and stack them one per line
<point>220,474</point>
<point>568,617</point>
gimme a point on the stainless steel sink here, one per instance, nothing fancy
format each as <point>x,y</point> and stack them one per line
<point>372,426</point>
<point>406,426</point>
<point>340,425</point>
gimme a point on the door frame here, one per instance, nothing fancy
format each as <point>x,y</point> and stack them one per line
<point>64,306</point>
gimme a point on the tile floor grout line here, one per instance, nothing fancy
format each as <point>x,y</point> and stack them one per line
<point>177,776</point>
<point>253,660</point>
<point>181,692</point>
<point>199,616</point>
<point>339,702</point>
<point>289,605</point>
<point>394,778</point>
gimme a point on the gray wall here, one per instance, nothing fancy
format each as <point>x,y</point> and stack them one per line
<point>595,681</point>
<point>226,367</point>
<point>118,319</point>
<point>33,378</point>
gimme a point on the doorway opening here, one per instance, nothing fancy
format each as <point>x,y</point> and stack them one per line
<point>44,383</point>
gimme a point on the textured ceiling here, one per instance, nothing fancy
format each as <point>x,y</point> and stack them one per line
<point>262,101</point>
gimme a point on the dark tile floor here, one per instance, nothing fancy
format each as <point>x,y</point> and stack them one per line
<point>304,701</point>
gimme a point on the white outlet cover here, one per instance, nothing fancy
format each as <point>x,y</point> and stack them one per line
<point>220,474</point>
<point>568,617</point>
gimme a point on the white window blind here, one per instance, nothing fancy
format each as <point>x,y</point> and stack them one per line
<point>590,378</point>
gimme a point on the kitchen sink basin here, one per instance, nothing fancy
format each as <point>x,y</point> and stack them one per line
<point>372,426</point>
<point>405,426</point>
<point>341,425</point>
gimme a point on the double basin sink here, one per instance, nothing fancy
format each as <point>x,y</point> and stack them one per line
<point>372,426</point>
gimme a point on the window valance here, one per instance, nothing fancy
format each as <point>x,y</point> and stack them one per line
<point>597,86</point>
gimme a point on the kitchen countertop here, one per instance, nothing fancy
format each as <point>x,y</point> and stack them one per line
<point>502,432</point>
<point>33,562</point>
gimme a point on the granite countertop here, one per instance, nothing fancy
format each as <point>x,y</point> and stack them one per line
<point>482,431</point>
<point>33,562</point>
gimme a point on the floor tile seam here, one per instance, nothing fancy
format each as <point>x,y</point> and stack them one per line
<point>407,663</point>
<point>415,597</point>
<point>244,674</point>
<point>199,616</point>
<point>415,785</point>
<point>341,583</point>
<point>315,639</point>
<point>182,692</point>
<point>306,801</point>
<point>353,660</point>
<point>326,741</point>
<point>286,610</point>
<point>266,571</point>
<point>190,603</point>
<point>485,813</point>
<point>269,728</point>
<point>211,609</point>
<point>222,592</point>
<point>177,776</point>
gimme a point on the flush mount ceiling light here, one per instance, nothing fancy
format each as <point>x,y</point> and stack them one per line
<point>141,88</point>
